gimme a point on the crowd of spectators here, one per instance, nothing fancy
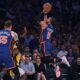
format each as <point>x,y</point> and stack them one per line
<point>66,43</point>
<point>65,38</point>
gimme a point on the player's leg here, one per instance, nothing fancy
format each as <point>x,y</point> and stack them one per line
<point>43,52</point>
<point>3,69</point>
<point>48,48</point>
<point>48,52</point>
<point>12,68</point>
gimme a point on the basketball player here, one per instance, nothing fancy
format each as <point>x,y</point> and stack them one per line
<point>6,38</point>
<point>47,30</point>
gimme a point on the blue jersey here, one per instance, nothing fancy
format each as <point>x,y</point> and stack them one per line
<point>46,32</point>
<point>5,40</point>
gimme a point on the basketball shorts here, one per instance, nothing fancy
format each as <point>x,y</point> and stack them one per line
<point>7,60</point>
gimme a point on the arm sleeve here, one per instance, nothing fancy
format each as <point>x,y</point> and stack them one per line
<point>33,68</point>
<point>22,66</point>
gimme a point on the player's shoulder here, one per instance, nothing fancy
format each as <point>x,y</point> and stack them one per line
<point>14,35</point>
<point>4,32</point>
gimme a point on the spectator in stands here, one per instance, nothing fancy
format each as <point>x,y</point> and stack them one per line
<point>22,36</point>
<point>29,68</point>
<point>34,43</point>
<point>55,48</point>
<point>39,68</point>
<point>27,50</point>
<point>62,55</point>
<point>35,53</point>
<point>71,57</point>
<point>75,49</point>
<point>62,52</point>
<point>76,69</point>
<point>29,36</point>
